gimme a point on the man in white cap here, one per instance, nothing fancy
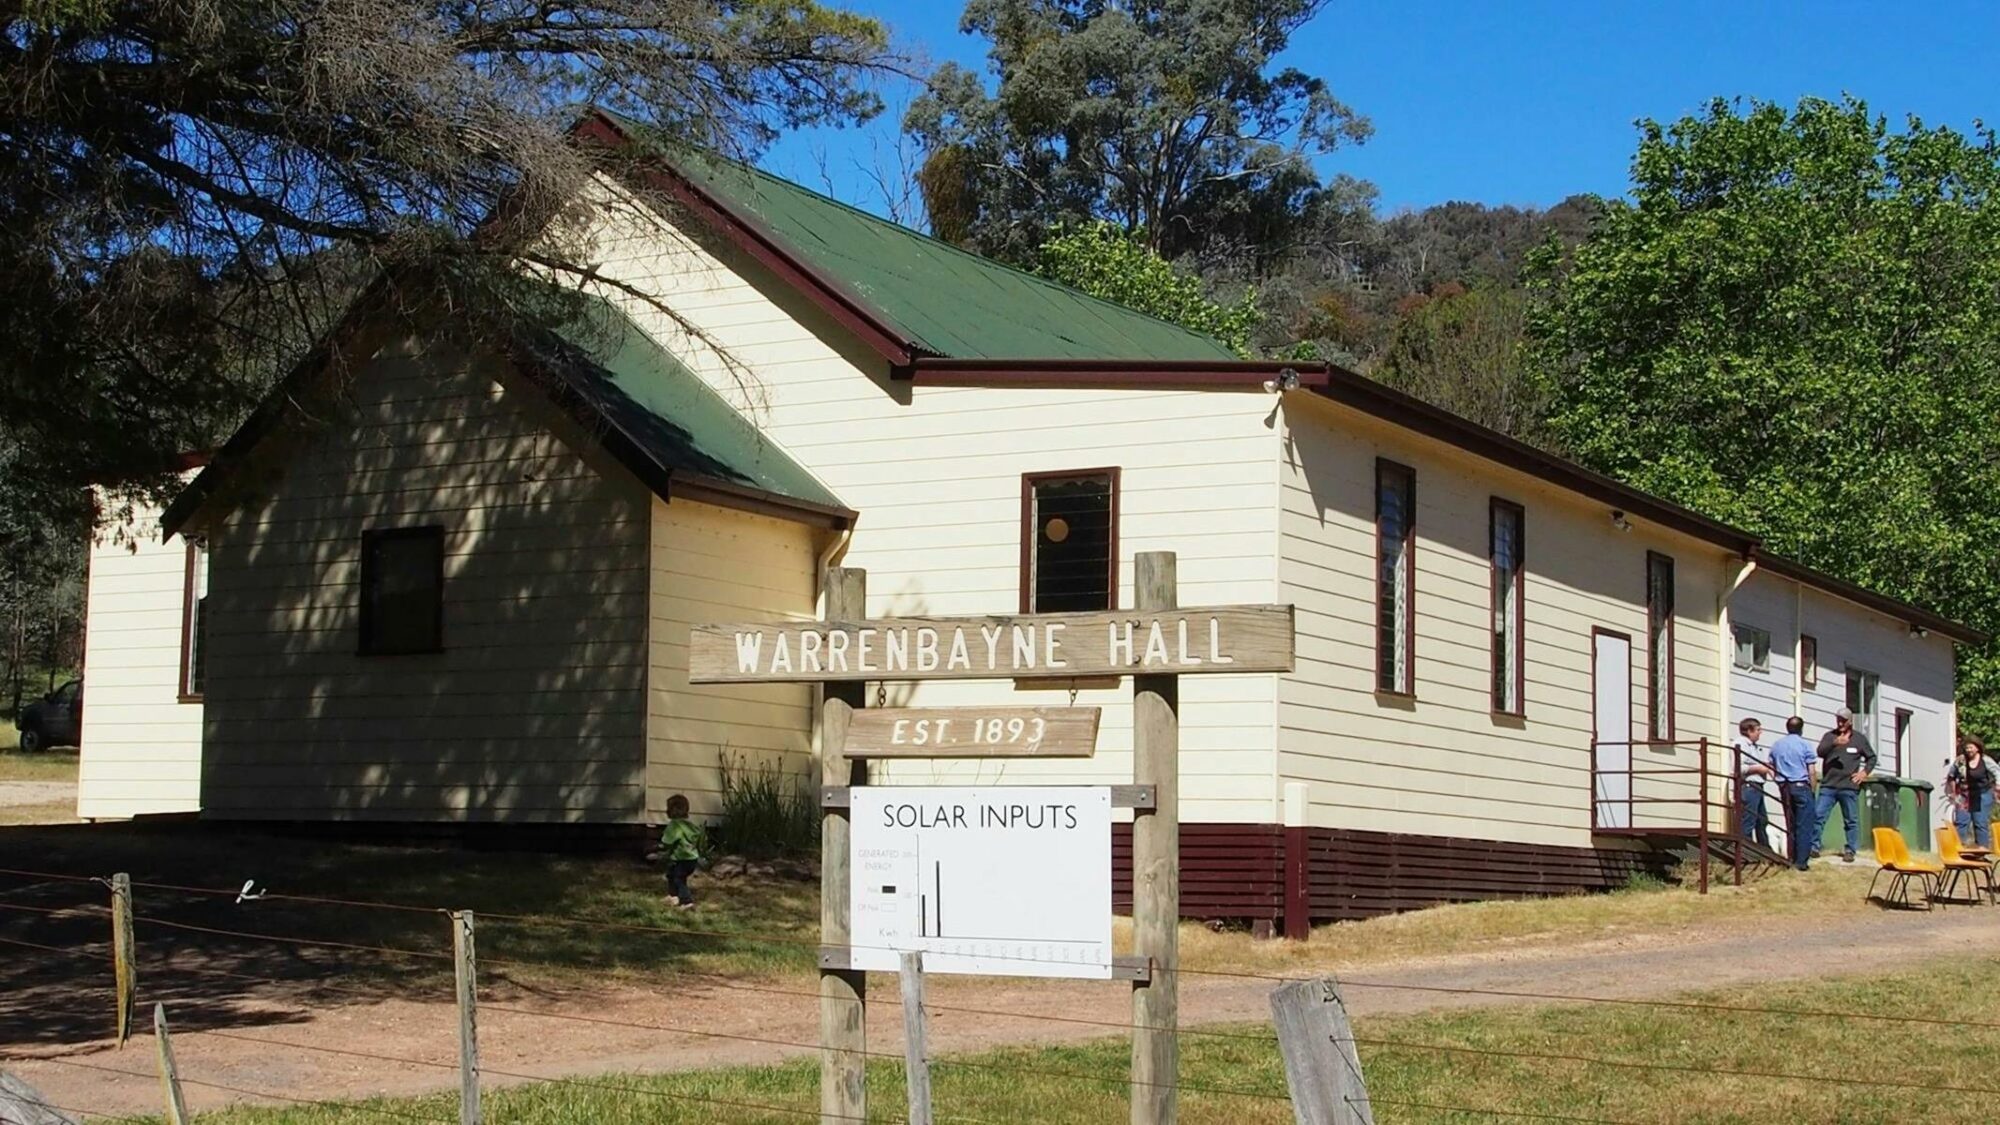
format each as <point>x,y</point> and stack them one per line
<point>1846,758</point>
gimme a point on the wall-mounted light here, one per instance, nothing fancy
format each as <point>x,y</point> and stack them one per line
<point>1619,521</point>
<point>1919,631</point>
<point>1287,380</point>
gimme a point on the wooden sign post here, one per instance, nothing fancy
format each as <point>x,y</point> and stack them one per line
<point>843,992</point>
<point>1156,644</point>
<point>1156,865</point>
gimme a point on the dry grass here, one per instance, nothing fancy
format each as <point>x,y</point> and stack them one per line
<point>1828,891</point>
<point>49,765</point>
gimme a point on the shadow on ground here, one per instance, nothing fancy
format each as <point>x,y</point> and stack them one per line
<point>218,963</point>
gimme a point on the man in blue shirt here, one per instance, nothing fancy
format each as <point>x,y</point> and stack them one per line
<point>1796,763</point>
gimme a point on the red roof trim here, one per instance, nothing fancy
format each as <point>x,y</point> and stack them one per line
<point>1869,599</point>
<point>749,235</point>
<point>1220,374</point>
<point>1395,407</point>
<point>682,485</point>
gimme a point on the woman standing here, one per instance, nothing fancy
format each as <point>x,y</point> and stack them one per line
<point>1969,786</point>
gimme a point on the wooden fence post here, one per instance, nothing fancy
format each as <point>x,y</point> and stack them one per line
<point>916,1057</point>
<point>1322,1066</point>
<point>23,1104</point>
<point>843,993</point>
<point>125,970</point>
<point>465,970</point>
<point>170,1075</point>
<point>1156,864</point>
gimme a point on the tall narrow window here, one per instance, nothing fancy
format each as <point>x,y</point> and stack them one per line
<point>1506,533</point>
<point>1901,745</point>
<point>1864,695</point>
<point>1069,541</point>
<point>402,591</point>
<point>194,623</point>
<point>1395,577</point>
<point>1808,662</point>
<point>1659,646</point>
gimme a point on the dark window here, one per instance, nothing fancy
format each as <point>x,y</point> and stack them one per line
<point>1069,541</point>
<point>1659,646</point>
<point>1900,747</point>
<point>1395,577</point>
<point>1808,661</point>
<point>1507,547</point>
<point>402,591</point>
<point>194,623</point>
<point>1864,698</point>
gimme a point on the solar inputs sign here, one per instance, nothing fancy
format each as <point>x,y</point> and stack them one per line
<point>1242,638</point>
<point>992,880</point>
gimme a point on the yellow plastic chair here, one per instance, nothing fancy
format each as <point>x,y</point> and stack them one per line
<point>1958,866</point>
<point>1894,860</point>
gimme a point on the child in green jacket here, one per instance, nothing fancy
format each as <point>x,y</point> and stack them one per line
<point>681,843</point>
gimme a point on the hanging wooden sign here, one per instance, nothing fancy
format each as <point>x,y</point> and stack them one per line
<point>973,732</point>
<point>1217,639</point>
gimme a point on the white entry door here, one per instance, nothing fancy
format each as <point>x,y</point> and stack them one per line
<point>1611,708</point>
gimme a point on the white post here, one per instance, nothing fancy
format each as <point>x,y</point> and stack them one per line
<point>916,1059</point>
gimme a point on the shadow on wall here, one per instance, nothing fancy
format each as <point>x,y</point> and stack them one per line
<point>532,710</point>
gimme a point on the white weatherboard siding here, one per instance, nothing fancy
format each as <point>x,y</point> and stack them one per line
<point>713,564</point>
<point>936,474</point>
<point>534,711</point>
<point>1444,764</point>
<point>1770,603</point>
<point>1918,673</point>
<point>141,745</point>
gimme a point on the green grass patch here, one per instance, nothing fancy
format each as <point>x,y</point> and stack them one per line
<point>766,812</point>
<point>1085,1083</point>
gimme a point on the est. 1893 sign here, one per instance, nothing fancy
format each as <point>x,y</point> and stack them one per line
<point>1247,638</point>
<point>973,732</point>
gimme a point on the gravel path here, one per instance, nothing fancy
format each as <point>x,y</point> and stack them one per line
<point>415,1037</point>
<point>14,793</point>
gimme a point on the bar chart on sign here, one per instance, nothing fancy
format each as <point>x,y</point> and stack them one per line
<point>988,880</point>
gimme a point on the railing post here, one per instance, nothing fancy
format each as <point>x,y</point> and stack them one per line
<point>1736,790</point>
<point>1702,830</point>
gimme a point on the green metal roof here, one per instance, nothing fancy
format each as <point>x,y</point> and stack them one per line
<point>945,300</point>
<point>647,395</point>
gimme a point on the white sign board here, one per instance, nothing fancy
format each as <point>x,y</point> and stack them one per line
<point>993,880</point>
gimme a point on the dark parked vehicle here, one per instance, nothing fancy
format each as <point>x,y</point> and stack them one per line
<point>55,719</point>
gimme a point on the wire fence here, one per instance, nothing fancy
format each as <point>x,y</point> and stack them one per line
<point>165,943</point>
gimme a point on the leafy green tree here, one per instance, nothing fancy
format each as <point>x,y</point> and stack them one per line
<point>1792,324</point>
<point>174,176</point>
<point>1168,117</point>
<point>1461,349</point>
<point>1104,261</point>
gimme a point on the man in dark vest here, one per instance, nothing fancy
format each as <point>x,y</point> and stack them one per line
<point>1846,758</point>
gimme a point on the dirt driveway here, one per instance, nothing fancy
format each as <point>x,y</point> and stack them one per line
<point>406,1044</point>
<point>14,794</point>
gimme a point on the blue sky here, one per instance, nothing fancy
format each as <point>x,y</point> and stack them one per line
<point>1526,102</point>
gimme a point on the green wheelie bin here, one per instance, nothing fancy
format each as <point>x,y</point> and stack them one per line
<point>1879,806</point>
